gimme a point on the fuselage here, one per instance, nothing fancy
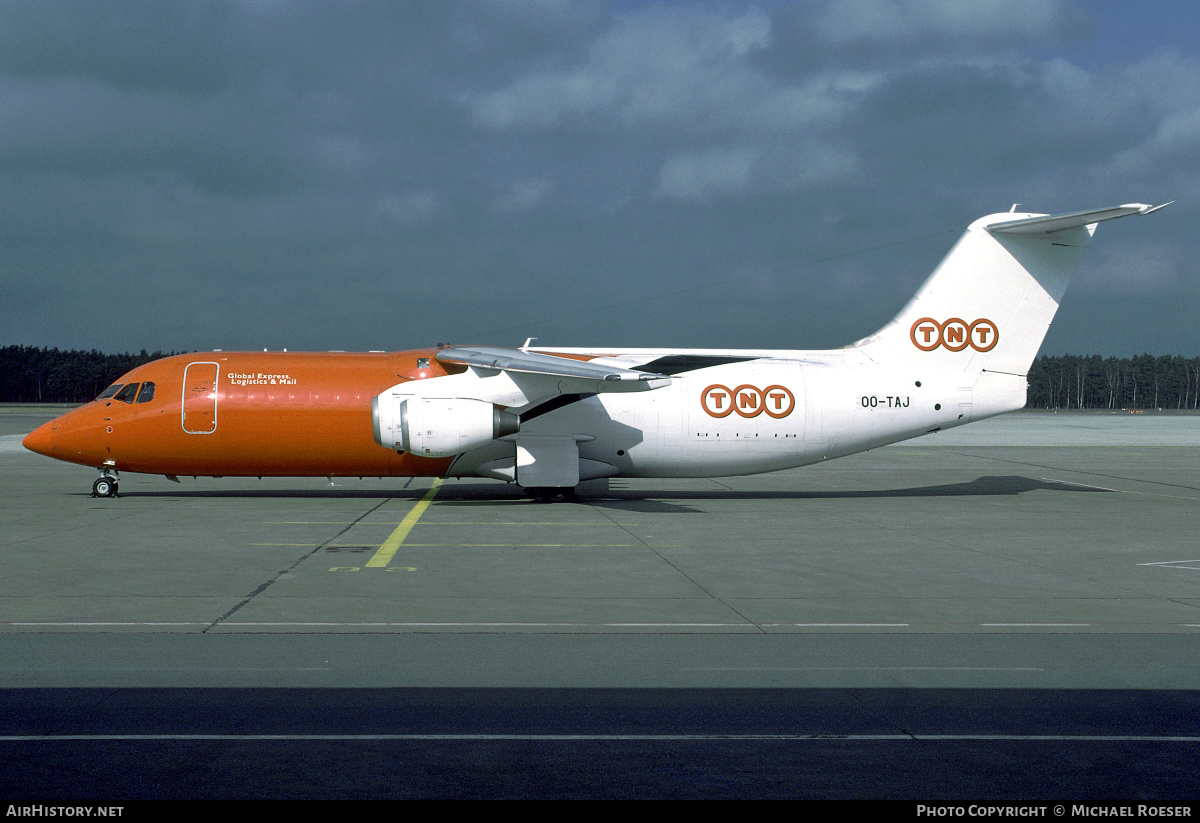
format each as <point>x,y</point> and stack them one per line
<point>310,414</point>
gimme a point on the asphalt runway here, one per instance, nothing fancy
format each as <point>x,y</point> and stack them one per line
<point>1007,611</point>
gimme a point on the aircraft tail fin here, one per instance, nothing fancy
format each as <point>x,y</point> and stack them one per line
<point>988,304</point>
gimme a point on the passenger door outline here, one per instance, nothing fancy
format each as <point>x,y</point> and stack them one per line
<point>198,414</point>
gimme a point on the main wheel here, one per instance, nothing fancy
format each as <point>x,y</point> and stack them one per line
<point>551,494</point>
<point>104,487</point>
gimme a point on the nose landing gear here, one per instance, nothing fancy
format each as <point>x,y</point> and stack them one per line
<point>105,485</point>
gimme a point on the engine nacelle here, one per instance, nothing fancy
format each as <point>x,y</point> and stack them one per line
<point>438,426</point>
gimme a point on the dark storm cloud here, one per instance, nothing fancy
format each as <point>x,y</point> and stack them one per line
<point>382,175</point>
<point>129,47</point>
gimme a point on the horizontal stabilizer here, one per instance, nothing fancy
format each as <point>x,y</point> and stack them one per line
<point>1046,224</point>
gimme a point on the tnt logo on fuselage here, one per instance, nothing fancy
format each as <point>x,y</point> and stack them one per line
<point>747,401</point>
<point>954,334</point>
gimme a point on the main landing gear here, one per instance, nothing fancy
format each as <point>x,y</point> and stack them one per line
<point>551,494</point>
<point>105,485</point>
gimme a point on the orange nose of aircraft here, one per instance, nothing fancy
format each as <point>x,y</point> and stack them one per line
<point>41,440</point>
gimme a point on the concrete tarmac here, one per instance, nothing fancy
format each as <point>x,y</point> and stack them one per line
<point>1010,610</point>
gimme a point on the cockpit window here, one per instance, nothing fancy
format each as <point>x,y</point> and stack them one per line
<point>111,390</point>
<point>127,394</point>
<point>147,393</point>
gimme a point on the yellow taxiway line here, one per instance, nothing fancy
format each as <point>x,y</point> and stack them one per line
<point>388,550</point>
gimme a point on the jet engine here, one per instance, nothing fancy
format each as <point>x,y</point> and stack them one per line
<point>438,426</point>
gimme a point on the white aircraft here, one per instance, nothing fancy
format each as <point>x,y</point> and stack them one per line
<point>548,419</point>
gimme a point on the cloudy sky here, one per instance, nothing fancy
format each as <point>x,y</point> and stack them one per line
<point>387,175</point>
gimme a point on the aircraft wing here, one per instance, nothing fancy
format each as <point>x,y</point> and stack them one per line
<point>571,375</point>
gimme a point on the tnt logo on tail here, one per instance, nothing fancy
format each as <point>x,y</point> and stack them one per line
<point>954,334</point>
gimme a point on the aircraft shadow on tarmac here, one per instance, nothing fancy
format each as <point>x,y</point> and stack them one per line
<point>991,486</point>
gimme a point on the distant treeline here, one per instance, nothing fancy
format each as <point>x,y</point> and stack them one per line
<point>1144,382</point>
<point>32,375</point>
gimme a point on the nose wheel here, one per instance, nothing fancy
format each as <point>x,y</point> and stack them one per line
<point>105,486</point>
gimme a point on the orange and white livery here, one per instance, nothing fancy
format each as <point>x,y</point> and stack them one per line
<point>550,418</point>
